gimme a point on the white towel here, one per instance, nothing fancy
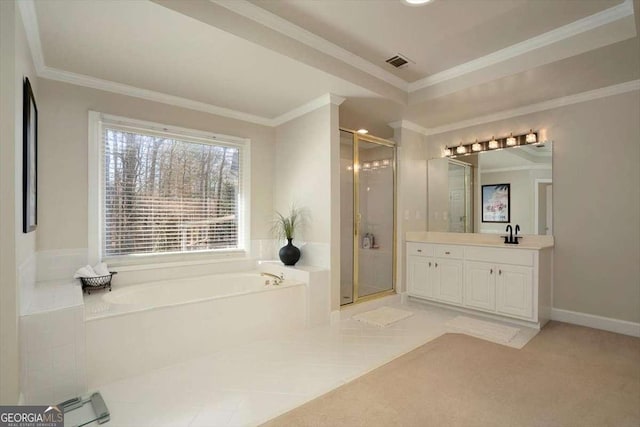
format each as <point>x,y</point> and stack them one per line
<point>86,271</point>
<point>97,270</point>
<point>101,269</point>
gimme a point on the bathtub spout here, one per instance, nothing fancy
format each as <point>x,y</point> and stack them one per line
<point>276,279</point>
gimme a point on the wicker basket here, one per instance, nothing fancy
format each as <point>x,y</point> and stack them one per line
<point>100,282</point>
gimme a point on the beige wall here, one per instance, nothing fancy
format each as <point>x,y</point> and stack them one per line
<point>302,171</point>
<point>596,171</point>
<point>16,248</point>
<point>63,152</point>
<point>411,193</point>
<point>307,175</point>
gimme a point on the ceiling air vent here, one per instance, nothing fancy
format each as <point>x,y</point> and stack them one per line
<point>398,61</point>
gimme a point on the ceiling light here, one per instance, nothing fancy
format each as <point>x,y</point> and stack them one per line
<point>531,137</point>
<point>493,144</point>
<point>417,2</point>
<point>476,146</point>
<point>362,131</point>
<point>511,141</point>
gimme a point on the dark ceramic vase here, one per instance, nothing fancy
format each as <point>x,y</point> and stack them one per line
<point>289,254</point>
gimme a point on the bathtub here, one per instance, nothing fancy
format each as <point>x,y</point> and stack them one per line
<point>138,328</point>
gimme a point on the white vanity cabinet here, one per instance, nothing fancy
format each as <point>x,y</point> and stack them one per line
<point>505,289</point>
<point>501,281</point>
<point>434,272</point>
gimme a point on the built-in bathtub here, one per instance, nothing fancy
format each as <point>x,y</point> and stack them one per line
<point>141,327</point>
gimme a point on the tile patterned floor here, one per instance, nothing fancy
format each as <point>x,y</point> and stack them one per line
<point>253,383</point>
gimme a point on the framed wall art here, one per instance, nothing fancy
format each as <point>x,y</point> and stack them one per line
<point>29,160</point>
<point>496,203</point>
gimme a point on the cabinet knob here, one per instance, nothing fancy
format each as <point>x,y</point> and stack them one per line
<point>429,263</point>
<point>419,250</point>
<point>491,271</point>
<point>436,265</point>
<point>500,272</point>
<point>447,253</point>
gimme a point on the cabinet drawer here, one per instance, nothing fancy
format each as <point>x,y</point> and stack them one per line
<point>499,255</point>
<point>442,251</point>
<point>419,249</point>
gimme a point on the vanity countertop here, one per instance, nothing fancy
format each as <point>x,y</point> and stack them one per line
<point>528,241</point>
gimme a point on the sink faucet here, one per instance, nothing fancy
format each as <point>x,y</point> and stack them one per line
<point>509,239</point>
<point>276,279</point>
<point>517,231</point>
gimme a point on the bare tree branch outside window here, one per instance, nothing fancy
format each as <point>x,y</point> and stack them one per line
<point>165,195</point>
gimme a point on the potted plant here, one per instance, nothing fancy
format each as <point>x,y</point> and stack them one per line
<point>284,227</point>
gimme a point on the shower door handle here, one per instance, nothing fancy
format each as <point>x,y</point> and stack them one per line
<point>357,227</point>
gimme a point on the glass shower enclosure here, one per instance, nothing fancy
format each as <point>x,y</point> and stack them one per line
<point>368,217</point>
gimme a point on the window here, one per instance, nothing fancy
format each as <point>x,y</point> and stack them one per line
<point>168,191</point>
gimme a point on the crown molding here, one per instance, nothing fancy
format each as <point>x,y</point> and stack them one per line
<point>406,124</point>
<point>588,23</point>
<point>516,168</point>
<point>32,30</point>
<point>541,106</point>
<point>149,95</point>
<point>289,29</point>
<point>321,101</point>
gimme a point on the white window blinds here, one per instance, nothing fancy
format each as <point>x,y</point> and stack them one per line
<point>167,194</point>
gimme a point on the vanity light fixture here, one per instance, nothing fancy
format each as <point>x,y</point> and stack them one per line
<point>494,144</point>
<point>362,131</point>
<point>366,165</point>
<point>385,162</point>
<point>531,137</point>
<point>376,164</point>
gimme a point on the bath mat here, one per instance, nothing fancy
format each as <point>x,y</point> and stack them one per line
<point>481,329</point>
<point>383,316</point>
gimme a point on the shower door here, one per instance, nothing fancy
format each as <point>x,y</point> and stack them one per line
<point>367,216</point>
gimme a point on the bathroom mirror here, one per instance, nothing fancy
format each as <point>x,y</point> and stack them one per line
<point>455,186</point>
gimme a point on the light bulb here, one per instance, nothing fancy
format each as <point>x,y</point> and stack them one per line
<point>531,137</point>
<point>493,144</point>
<point>476,146</point>
<point>461,149</point>
<point>446,152</point>
<point>511,141</point>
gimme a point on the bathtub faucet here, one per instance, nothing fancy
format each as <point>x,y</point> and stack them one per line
<point>276,279</point>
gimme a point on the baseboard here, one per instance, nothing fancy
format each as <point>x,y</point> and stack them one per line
<point>598,322</point>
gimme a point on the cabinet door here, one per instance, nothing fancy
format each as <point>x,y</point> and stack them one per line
<point>418,280</point>
<point>480,285</point>
<point>448,280</point>
<point>514,290</point>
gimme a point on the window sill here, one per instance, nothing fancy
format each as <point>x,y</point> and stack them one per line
<point>155,262</point>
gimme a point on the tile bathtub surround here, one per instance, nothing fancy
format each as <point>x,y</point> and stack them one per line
<point>252,383</point>
<point>53,355</point>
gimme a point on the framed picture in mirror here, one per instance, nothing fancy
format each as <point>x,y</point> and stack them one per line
<point>496,203</point>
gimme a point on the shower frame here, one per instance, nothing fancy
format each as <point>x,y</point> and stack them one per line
<point>357,137</point>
